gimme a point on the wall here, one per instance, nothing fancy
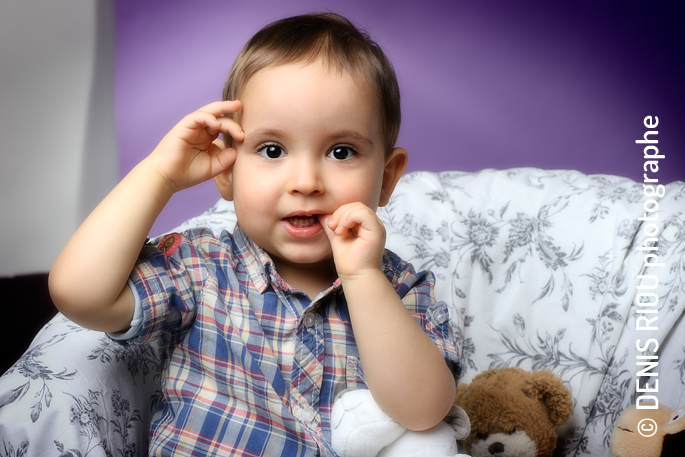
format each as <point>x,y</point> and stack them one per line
<point>485,84</point>
<point>57,143</point>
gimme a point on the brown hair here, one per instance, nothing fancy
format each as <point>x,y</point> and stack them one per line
<point>338,43</point>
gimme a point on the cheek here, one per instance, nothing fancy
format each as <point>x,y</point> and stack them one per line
<point>246,186</point>
<point>365,188</point>
<point>251,200</point>
<point>364,192</point>
<point>252,203</point>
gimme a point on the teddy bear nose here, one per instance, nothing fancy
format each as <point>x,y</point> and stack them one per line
<point>496,448</point>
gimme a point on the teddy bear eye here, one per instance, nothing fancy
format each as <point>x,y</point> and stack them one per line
<point>512,431</point>
<point>677,416</point>
<point>482,436</point>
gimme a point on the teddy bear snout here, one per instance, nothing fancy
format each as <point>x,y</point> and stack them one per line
<point>510,444</point>
<point>496,448</point>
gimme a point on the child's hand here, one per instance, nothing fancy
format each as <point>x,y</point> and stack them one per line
<point>399,358</point>
<point>357,239</point>
<point>191,153</point>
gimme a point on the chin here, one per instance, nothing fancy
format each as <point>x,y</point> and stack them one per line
<point>305,258</point>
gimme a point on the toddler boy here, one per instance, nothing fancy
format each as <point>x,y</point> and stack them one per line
<point>265,327</point>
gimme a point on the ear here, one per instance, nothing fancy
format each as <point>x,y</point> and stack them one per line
<point>395,165</point>
<point>459,421</point>
<point>224,180</point>
<point>548,388</point>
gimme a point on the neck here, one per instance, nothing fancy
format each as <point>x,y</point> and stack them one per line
<point>310,279</point>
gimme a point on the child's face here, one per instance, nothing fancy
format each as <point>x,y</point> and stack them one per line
<point>313,142</point>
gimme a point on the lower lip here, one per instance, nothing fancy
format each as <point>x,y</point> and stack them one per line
<point>301,232</point>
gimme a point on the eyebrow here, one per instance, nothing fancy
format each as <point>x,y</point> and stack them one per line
<point>280,134</point>
<point>353,134</point>
<point>264,132</point>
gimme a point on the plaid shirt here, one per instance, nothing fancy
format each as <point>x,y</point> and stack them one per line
<point>253,366</point>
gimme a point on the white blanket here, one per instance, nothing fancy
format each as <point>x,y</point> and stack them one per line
<point>539,269</point>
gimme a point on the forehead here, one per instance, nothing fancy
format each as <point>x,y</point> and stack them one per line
<point>309,96</point>
<point>303,75</point>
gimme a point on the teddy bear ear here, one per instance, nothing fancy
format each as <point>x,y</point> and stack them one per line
<point>460,422</point>
<point>548,388</point>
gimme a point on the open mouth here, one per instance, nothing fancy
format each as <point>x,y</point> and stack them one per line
<point>302,226</point>
<point>303,221</point>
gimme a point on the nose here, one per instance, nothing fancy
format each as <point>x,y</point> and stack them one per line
<point>306,177</point>
<point>496,448</point>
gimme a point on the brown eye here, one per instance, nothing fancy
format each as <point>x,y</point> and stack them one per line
<point>271,151</point>
<point>341,153</point>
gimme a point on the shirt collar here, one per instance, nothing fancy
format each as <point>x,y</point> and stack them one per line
<point>256,261</point>
<point>261,268</point>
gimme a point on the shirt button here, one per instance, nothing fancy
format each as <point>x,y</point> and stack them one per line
<point>309,320</point>
<point>308,414</point>
<point>297,412</point>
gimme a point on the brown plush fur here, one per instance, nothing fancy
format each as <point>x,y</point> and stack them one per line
<point>666,440</point>
<point>505,399</point>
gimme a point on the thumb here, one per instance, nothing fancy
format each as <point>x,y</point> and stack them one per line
<point>222,159</point>
<point>219,143</point>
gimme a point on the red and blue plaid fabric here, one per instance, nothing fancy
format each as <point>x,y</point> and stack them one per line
<point>252,366</point>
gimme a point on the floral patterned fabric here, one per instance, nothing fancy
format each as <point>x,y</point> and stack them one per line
<point>539,269</point>
<point>76,393</point>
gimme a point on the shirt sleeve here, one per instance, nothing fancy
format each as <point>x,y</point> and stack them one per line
<point>136,322</point>
<point>416,291</point>
<point>167,283</point>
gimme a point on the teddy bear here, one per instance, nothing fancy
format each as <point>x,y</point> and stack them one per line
<point>654,431</point>
<point>360,428</point>
<point>513,412</point>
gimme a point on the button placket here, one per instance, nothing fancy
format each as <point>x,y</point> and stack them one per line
<point>309,319</point>
<point>307,376</point>
<point>308,414</point>
<point>297,411</point>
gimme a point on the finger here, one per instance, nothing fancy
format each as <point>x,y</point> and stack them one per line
<point>333,220</point>
<point>216,147</point>
<point>221,158</point>
<point>336,222</point>
<point>197,121</point>
<point>201,120</point>
<point>218,109</point>
<point>325,220</point>
<point>219,144</point>
<point>231,127</point>
<point>366,221</point>
<point>356,215</point>
<point>222,161</point>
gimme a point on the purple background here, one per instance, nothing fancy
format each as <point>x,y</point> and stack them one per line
<point>555,85</point>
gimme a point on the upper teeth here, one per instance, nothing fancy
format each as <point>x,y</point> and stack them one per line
<point>302,221</point>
